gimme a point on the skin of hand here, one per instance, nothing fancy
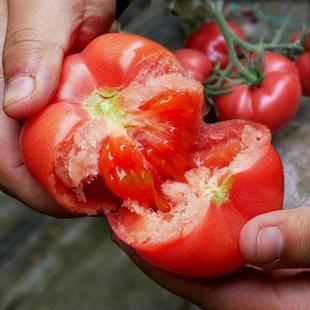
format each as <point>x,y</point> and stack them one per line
<point>34,37</point>
<point>277,247</point>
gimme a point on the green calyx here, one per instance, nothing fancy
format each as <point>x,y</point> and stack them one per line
<point>103,102</point>
<point>221,194</point>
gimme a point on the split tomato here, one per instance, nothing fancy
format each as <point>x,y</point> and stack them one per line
<point>123,136</point>
<point>209,40</point>
<point>273,102</point>
<point>234,174</point>
<point>123,120</point>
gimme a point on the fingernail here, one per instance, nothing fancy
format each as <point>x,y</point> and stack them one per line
<point>268,245</point>
<point>18,89</point>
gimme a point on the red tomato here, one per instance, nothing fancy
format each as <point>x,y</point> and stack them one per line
<point>195,63</point>
<point>123,120</point>
<point>199,236</point>
<point>303,66</point>
<point>273,102</point>
<point>296,37</point>
<point>209,40</point>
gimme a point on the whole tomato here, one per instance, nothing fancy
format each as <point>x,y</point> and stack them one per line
<point>303,65</point>
<point>209,40</point>
<point>195,63</point>
<point>296,37</point>
<point>234,174</point>
<point>123,119</point>
<point>273,102</point>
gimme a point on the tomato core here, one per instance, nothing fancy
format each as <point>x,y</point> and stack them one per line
<point>221,194</point>
<point>104,102</point>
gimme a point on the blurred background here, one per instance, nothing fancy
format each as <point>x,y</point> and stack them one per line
<point>48,263</point>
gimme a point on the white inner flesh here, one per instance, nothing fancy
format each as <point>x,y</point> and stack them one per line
<point>190,201</point>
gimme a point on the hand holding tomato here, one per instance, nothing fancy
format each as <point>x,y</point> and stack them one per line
<point>32,59</point>
<point>249,288</point>
<point>129,142</point>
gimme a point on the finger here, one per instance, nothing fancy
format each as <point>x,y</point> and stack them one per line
<point>246,289</point>
<point>98,19</point>
<point>278,239</point>
<point>39,34</point>
<point>14,177</point>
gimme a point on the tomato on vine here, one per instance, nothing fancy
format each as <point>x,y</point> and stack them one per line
<point>209,40</point>
<point>195,63</point>
<point>263,86</point>
<point>303,64</point>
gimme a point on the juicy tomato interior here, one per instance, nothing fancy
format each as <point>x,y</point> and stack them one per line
<point>219,156</point>
<point>134,165</point>
<point>97,190</point>
<point>124,171</point>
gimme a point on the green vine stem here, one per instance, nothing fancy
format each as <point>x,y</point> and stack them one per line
<point>230,38</point>
<point>250,73</point>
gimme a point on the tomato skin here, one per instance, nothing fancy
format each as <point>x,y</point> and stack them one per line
<point>273,103</point>
<point>212,247</point>
<point>195,63</point>
<point>303,66</point>
<point>209,40</point>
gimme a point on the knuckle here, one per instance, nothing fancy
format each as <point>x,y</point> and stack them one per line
<point>21,42</point>
<point>22,38</point>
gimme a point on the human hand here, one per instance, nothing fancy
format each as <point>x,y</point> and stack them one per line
<point>38,35</point>
<point>264,287</point>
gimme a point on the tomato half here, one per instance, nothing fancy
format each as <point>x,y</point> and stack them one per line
<point>123,120</point>
<point>199,236</point>
<point>209,40</point>
<point>273,102</point>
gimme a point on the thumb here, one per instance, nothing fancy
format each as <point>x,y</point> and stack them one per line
<point>279,239</point>
<point>39,33</point>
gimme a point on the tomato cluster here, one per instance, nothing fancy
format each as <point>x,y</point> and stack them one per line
<point>272,101</point>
